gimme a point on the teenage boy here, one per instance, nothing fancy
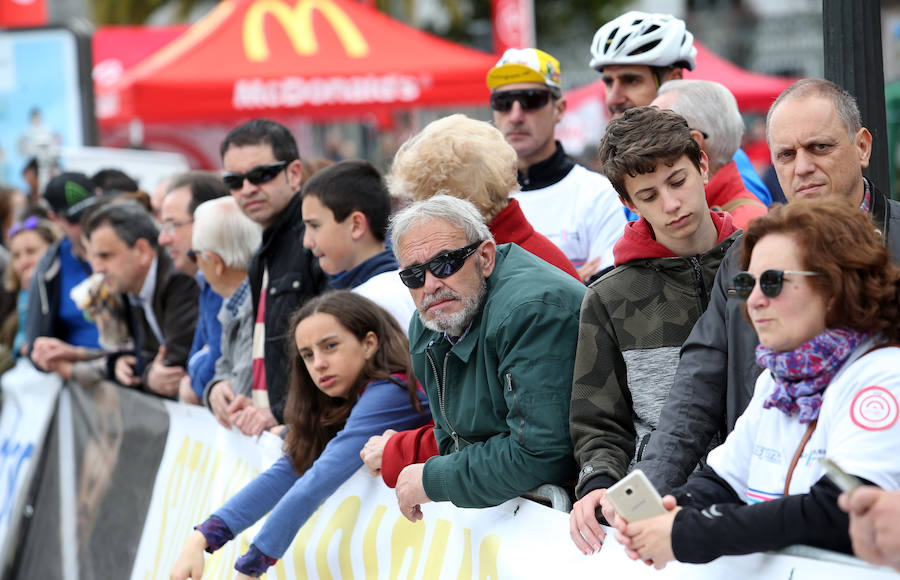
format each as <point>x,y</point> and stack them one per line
<point>635,318</point>
<point>345,210</point>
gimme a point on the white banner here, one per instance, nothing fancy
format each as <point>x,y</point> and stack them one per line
<point>29,401</point>
<point>359,532</point>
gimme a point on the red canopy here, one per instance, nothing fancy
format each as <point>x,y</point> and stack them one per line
<point>317,58</point>
<point>754,92</point>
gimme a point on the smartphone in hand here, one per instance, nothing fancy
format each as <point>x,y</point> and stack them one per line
<point>843,480</point>
<point>635,498</point>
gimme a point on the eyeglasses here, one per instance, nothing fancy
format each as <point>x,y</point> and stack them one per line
<point>770,282</point>
<point>529,99</point>
<point>29,224</point>
<point>440,266</point>
<point>170,226</point>
<point>257,176</point>
<point>193,254</point>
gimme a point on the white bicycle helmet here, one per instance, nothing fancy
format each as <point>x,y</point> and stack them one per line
<point>644,39</point>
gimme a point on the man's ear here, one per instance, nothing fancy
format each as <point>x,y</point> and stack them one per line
<point>294,173</point>
<point>487,252</point>
<point>863,142</point>
<point>218,263</point>
<point>676,73</point>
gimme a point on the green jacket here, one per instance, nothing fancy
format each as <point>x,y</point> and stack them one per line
<point>633,323</point>
<point>500,396</point>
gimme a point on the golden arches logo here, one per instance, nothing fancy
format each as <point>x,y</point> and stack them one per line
<point>297,23</point>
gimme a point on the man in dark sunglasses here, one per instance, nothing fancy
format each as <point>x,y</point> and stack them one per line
<point>493,346</point>
<point>575,208</point>
<point>262,170</point>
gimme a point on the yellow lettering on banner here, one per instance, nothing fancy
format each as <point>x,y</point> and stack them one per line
<point>370,548</point>
<point>487,557</point>
<point>181,458</point>
<point>465,567</point>
<point>300,544</point>
<point>344,519</point>
<point>438,549</point>
<point>405,536</point>
<point>298,24</point>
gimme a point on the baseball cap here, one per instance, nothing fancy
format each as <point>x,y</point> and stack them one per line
<point>526,65</point>
<point>69,194</point>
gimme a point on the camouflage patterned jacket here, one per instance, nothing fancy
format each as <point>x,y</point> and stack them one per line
<point>633,322</point>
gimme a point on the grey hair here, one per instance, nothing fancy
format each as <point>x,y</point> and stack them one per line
<point>460,213</point>
<point>221,227</point>
<point>709,107</point>
<point>843,102</point>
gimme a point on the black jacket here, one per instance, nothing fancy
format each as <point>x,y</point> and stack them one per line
<point>717,370</point>
<point>294,278</point>
<point>175,299</point>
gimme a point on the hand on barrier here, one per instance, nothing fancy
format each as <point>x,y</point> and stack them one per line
<point>220,397</point>
<point>124,371</point>
<point>649,540</point>
<point>164,379</point>
<point>190,562</point>
<point>249,419</point>
<point>48,351</point>
<point>410,492</point>
<point>373,450</point>
<point>874,516</point>
<point>585,530</point>
<point>186,392</point>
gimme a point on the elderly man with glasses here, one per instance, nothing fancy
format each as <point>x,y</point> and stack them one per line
<point>493,345</point>
<point>573,206</point>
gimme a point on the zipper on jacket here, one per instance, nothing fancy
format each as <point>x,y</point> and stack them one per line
<point>701,286</point>
<point>441,383</point>
<point>509,388</point>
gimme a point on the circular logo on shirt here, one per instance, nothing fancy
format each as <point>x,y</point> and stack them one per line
<point>874,409</point>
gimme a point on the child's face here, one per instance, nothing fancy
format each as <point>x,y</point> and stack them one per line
<point>333,356</point>
<point>329,240</point>
<point>672,199</point>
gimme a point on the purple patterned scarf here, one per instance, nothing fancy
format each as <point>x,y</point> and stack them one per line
<point>803,373</point>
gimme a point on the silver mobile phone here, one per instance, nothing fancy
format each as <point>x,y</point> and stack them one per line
<point>838,476</point>
<point>635,498</point>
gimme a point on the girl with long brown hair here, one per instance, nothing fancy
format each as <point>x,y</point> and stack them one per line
<point>351,378</point>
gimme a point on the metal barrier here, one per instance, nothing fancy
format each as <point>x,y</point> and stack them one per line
<point>551,495</point>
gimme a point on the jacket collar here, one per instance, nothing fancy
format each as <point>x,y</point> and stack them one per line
<point>289,217</point>
<point>639,242</point>
<point>547,172</point>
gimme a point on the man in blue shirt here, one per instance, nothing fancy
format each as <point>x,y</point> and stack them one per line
<point>57,331</point>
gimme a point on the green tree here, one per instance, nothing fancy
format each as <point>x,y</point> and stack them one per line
<point>135,11</point>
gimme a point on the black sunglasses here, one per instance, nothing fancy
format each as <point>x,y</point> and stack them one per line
<point>770,282</point>
<point>440,266</point>
<point>257,176</point>
<point>529,99</point>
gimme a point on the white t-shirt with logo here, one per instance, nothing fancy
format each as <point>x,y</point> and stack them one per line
<point>581,214</point>
<point>857,429</point>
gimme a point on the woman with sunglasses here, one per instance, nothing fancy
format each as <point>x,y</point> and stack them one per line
<point>824,299</point>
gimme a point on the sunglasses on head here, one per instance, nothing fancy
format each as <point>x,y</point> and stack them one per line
<point>257,176</point>
<point>770,282</point>
<point>29,224</point>
<point>529,99</point>
<point>440,266</point>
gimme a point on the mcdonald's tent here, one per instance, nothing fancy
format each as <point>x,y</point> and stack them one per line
<point>315,58</point>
